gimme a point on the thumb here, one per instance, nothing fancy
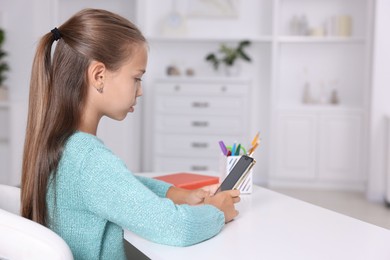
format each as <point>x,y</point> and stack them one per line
<point>202,193</point>
<point>234,193</point>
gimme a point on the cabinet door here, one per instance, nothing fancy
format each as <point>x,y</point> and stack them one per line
<point>296,147</point>
<point>340,148</point>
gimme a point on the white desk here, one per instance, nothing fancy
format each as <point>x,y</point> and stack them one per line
<point>273,226</point>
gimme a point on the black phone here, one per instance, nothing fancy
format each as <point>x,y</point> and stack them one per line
<point>237,174</point>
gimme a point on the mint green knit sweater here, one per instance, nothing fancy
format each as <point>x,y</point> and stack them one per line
<point>94,195</point>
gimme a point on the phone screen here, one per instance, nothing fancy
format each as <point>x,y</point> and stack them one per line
<point>241,168</point>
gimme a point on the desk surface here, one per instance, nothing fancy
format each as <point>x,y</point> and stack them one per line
<point>274,226</point>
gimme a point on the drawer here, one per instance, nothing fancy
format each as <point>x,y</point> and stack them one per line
<point>4,124</point>
<point>192,145</point>
<point>219,89</point>
<point>200,105</point>
<point>200,124</point>
<point>192,164</point>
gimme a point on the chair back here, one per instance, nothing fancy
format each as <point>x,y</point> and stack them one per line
<point>21,238</point>
<point>10,198</point>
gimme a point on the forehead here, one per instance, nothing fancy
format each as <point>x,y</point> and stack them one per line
<point>138,57</point>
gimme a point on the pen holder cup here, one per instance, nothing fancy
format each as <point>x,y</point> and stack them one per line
<point>226,164</point>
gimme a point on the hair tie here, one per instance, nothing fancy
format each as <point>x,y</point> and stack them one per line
<point>56,33</point>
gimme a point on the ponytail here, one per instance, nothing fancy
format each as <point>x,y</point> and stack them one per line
<point>34,179</point>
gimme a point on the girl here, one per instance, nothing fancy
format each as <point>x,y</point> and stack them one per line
<point>71,182</point>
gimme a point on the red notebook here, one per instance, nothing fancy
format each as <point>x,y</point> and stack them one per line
<point>189,181</point>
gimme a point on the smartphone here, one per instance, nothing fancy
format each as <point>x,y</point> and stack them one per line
<point>237,174</point>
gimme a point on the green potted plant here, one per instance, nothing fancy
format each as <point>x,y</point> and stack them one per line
<point>3,67</point>
<point>228,56</point>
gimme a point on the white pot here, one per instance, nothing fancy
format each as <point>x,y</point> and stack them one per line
<point>232,71</point>
<point>3,93</point>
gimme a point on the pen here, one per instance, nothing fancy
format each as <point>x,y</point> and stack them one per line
<point>223,148</point>
<point>229,148</point>
<point>238,149</point>
<point>255,139</point>
<point>253,148</point>
<point>234,149</point>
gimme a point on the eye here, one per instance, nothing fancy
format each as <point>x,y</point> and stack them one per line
<point>137,82</point>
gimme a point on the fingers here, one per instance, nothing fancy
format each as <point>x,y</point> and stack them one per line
<point>234,193</point>
<point>211,188</point>
<point>236,212</point>
<point>202,193</point>
<point>231,216</point>
<point>236,199</point>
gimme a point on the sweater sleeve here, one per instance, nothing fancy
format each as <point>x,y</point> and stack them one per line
<point>157,186</point>
<point>109,190</point>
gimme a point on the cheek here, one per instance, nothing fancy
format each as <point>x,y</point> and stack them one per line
<point>128,94</point>
<point>123,90</point>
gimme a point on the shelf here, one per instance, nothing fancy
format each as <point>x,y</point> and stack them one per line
<point>323,39</point>
<point>191,39</point>
<point>4,104</point>
<point>203,79</point>
<point>261,39</point>
<point>4,140</point>
<point>320,108</point>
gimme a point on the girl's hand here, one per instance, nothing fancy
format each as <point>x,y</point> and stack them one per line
<point>211,189</point>
<point>225,201</point>
<point>184,196</point>
<point>195,197</point>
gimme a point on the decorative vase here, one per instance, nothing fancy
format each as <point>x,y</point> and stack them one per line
<point>3,93</point>
<point>232,70</point>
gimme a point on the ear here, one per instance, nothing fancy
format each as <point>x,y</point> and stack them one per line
<point>96,73</point>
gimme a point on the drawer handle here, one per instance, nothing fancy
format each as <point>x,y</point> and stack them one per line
<point>200,104</point>
<point>177,88</point>
<point>199,145</point>
<point>199,168</point>
<point>200,124</point>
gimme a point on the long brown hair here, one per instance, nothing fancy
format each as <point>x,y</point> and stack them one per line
<point>58,90</point>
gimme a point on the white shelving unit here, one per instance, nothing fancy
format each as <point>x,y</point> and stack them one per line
<point>320,145</point>
<point>328,141</point>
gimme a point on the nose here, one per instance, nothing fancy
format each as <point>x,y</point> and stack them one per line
<point>139,92</point>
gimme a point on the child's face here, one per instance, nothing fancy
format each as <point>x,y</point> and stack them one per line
<point>122,87</point>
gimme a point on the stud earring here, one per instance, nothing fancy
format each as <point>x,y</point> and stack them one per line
<point>100,89</point>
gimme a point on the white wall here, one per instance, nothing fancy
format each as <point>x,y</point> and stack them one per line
<point>380,102</point>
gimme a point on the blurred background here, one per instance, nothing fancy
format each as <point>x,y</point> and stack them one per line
<point>308,75</point>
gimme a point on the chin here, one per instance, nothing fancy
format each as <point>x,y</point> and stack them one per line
<point>120,117</point>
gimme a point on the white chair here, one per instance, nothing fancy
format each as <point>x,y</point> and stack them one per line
<point>10,198</point>
<point>21,238</point>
